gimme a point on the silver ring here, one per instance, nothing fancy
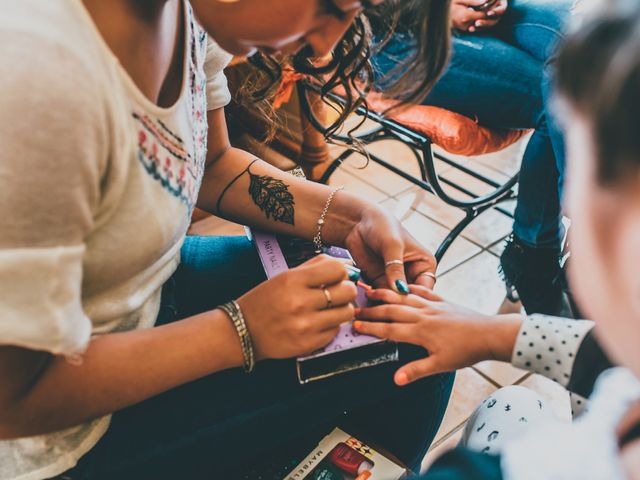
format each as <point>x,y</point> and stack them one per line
<point>393,262</point>
<point>430,275</point>
<point>327,295</point>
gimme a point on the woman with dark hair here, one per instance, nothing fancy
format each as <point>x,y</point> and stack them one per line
<point>113,129</point>
<point>509,435</point>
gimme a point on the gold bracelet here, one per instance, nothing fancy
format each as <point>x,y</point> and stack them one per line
<point>317,240</point>
<point>232,309</point>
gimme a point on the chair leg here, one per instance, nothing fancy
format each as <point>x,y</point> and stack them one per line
<point>455,233</point>
<point>334,166</point>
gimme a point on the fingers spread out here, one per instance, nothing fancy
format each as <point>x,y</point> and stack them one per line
<point>416,370</point>
<point>426,293</point>
<point>390,313</point>
<point>389,296</point>
<point>395,332</point>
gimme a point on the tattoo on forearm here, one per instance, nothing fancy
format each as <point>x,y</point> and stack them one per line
<point>271,195</point>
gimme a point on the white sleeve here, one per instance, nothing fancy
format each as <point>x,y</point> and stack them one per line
<point>53,150</point>
<point>218,94</point>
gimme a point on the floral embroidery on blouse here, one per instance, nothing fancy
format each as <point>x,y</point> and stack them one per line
<point>162,152</point>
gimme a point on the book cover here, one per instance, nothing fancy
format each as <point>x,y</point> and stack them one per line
<point>349,350</point>
<point>339,456</point>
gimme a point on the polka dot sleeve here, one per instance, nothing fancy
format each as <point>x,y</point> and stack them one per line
<point>579,404</point>
<point>549,345</point>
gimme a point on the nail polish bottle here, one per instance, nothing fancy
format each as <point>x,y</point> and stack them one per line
<point>348,460</point>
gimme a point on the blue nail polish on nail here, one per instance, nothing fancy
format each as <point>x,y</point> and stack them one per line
<point>402,287</point>
<point>354,273</point>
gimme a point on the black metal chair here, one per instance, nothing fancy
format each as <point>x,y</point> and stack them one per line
<point>421,146</point>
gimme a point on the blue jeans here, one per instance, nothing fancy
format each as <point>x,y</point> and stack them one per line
<point>217,426</point>
<point>503,77</point>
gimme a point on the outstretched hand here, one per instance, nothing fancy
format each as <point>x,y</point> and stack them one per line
<point>455,337</point>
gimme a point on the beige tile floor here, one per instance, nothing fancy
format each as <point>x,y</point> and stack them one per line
<point>468,273</point>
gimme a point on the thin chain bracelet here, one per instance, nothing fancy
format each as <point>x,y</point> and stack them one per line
<point>235,314</point>
<point>317,240</point>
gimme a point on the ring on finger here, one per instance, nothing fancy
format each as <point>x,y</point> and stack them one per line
<point>430,275</point>
<point>393,262</point>
<point>327,295</point>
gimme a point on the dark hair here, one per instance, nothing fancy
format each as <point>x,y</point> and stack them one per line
<point>350,67</point>
<point>599,77</point>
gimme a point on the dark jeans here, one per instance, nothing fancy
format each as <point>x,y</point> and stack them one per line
<point>503,78</point>
<point>217,426</point>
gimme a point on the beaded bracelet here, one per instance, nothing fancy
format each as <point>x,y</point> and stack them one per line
<point>232,309</point>
<point>317,240</point>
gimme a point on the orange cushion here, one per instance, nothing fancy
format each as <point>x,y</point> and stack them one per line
<point>451,131</point>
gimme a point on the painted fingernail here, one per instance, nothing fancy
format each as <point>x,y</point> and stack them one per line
<point>402,287</point>
<point>402,379</point>
<point>354,273</point>
<point>357,325</point>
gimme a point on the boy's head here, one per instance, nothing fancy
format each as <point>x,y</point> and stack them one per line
<point>599,84</point>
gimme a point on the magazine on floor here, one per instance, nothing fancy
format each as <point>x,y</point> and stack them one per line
<point>339,456</point>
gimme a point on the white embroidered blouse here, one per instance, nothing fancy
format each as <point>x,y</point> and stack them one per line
<point>97,185</point>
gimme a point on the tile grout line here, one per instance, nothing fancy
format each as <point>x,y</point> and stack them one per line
<point>396,196</point>
<point>447,435</point>
<point>449,270</point>
<point>527,376</point>
<point>487,377</point>
<point>495,382</point>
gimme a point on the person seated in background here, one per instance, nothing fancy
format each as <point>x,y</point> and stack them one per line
<point>122,344</point>
<point>499,74</point>
<point>512,435</point>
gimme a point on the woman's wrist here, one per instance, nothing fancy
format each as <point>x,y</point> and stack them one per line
<point>234,312</point>
<point>219,327</point>
<point>502,333</point>
<point>346,212</point>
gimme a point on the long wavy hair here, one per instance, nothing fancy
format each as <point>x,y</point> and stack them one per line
<point>350,71</point>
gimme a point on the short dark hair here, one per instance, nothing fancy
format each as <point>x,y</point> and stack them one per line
<point>598,75</point>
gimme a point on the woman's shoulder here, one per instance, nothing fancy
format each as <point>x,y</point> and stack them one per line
<point>50,44</point>
<point>55,86</point>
